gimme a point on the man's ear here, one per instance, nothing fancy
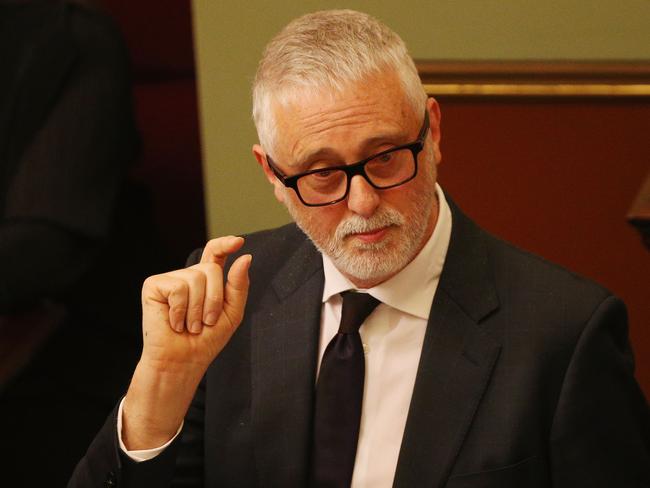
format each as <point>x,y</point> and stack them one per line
<point>434,124</point>
<point>278,187</point>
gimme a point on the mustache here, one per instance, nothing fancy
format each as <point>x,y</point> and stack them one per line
<point>355,224</point>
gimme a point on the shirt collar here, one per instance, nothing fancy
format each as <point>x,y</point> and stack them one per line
<point>412,289</point>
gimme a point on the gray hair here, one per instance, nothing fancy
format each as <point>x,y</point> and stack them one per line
<point>328,50</point>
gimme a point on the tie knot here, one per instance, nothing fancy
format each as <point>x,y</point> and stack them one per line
<point>356,307</point>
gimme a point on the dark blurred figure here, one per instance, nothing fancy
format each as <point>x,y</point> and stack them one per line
<point>67,138</point>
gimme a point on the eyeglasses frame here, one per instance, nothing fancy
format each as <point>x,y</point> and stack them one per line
<point>354,169</point>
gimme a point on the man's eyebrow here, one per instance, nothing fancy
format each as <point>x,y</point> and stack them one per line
<point>312,157</point>
<point>395,138</point>
<point>329,152</point>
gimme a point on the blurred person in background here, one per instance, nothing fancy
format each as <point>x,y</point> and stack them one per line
<point>67,139</point>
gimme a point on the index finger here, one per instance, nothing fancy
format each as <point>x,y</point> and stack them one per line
<point>217,250</point>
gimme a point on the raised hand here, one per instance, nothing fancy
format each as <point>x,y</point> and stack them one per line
<point>188,316</point>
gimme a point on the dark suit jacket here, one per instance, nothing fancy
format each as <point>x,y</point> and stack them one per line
<point>525,380</point>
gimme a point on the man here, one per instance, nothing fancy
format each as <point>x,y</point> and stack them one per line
<point>484,366</point>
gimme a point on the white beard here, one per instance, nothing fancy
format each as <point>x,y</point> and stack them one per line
<point>371,262</point>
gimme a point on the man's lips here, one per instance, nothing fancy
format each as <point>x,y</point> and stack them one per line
<point>371,236</point>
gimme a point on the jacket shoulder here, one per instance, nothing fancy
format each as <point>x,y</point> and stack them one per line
<point>535,273</point>
<point>547,293</point>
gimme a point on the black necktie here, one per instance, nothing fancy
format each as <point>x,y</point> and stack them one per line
<point>339,395</point>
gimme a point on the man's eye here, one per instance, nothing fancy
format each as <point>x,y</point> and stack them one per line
<point>324,174</point>
<point>385,158</point>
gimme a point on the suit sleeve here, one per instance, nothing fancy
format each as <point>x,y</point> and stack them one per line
<point>600,435</point>
<point>105,465</point>
<point>179,465</point>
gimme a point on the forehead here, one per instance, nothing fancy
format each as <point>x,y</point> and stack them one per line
<point>311,120</point>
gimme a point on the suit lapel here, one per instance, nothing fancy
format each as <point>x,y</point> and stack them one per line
<point>457,360</point>
<point>284,354</point>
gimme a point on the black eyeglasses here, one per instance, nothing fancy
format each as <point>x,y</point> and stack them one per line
<point>387,169</point>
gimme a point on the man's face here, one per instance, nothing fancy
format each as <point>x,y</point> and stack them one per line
<point>372,234</point>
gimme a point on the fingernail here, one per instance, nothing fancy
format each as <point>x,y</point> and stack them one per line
<point>195,327</point>
<point>211,318</point>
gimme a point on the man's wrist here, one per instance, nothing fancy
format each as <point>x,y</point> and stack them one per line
<point>155,405</point>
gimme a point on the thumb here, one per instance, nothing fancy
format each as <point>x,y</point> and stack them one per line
<point>236,291</point>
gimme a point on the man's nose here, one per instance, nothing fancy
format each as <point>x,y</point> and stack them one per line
<point>363,199</point>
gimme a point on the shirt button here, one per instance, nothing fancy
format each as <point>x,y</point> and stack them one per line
<point>366,349</point>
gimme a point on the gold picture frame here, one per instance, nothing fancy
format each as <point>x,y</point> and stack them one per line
<point>535,78</point>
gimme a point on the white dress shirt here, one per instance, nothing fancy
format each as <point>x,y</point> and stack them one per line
<point>392,338</point>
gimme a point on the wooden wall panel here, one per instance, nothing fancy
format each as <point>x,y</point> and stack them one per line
<point>557,176</point>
